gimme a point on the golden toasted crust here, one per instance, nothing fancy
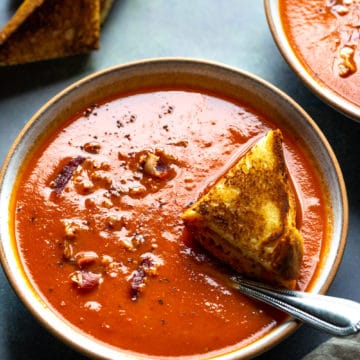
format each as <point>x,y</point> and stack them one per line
<point>42,29</point>
<point>105,6</point>
<point>25,9</point>
<point>248,218</point>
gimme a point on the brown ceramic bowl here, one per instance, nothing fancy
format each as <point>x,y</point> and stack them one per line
<point>207,76</point>
<point>328,94</point>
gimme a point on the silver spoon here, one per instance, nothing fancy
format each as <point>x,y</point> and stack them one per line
<point>336,316</point>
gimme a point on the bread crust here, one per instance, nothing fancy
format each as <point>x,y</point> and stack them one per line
<point>248,218</point>
<point>42,29</point>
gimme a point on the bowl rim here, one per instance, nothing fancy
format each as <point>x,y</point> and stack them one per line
<point>47,316</point>
<point>326,94</point>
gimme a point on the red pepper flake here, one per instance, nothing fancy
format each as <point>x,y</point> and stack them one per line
<point>92,147</point>
<point>65,174</point>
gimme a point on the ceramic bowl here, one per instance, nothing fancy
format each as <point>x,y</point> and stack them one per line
<point>182,73</point>
<point>319,88</point>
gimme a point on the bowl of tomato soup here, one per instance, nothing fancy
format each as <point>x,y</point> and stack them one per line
<point>100,176</point>
<point>319,40</point>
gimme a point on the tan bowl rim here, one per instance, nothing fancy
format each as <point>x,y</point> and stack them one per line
<point>94,348</point>
<point>323,92</point>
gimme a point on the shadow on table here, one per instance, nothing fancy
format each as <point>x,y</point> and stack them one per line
<point>33,341</point>
<point>22,78</point>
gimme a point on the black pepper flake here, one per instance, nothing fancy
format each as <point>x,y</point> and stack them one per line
<point>167,109</point>
<point>88,111</point>
<point>161,301</point>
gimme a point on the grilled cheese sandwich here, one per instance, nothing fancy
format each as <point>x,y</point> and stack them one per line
<point>248,217</point>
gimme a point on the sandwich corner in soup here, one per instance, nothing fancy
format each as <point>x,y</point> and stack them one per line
<point>97,220</point>
<point>324,34</point>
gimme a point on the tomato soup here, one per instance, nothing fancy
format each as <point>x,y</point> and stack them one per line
<point>325,36</point>
<point>97,216</point>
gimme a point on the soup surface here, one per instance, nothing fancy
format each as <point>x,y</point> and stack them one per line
<point>98,227</point>
<point>325,36</point>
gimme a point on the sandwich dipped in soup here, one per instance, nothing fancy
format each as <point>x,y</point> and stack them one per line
<point>248,218</point>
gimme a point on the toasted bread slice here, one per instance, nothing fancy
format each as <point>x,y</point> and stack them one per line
<point>26,8</point>
<point>105,6</point>
<point>43,29</point>
<point>248,218</point>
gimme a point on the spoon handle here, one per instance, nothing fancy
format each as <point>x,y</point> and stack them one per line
<point>336,316</point>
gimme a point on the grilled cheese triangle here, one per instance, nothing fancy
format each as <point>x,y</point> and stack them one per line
<point>248,218</point>
<point>48,29</point>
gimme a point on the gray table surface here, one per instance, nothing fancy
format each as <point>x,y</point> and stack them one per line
<point>233,32</point>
